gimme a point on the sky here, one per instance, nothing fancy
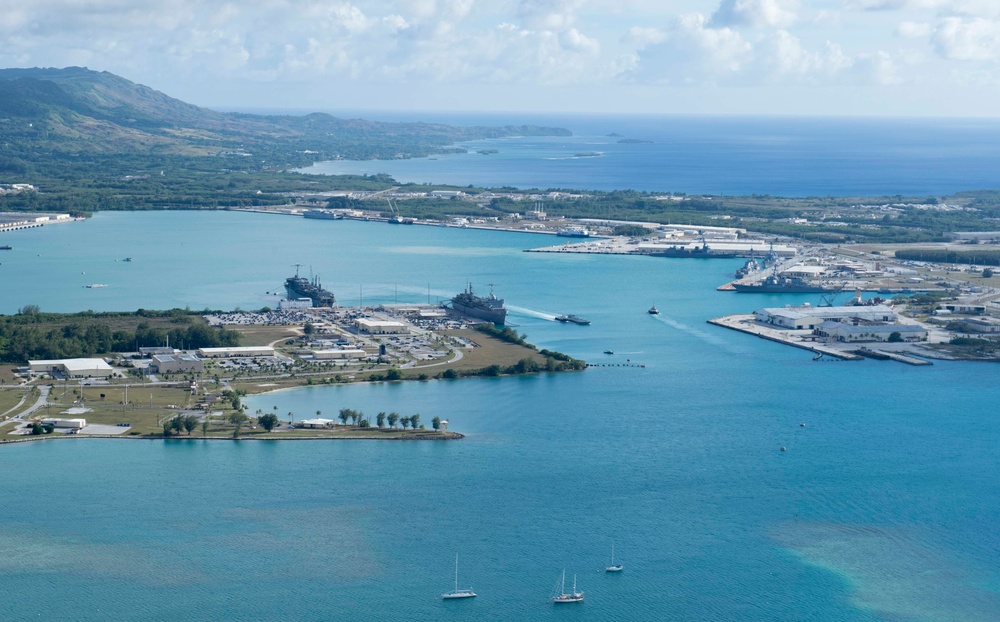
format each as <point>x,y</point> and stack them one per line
<point>781,57</point>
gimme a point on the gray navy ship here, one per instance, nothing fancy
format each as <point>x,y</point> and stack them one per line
<point>488,308</point>
<point>300,287</point>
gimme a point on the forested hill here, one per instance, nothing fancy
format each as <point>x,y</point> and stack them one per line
<point>55,113</point>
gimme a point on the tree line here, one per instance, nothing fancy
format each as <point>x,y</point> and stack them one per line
<point>79,336</point>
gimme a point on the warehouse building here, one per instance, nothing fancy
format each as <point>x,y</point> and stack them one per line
<point>335,354</point>
<point>235,351</point>
<point>72,368</point>
<point>174,363</point>
<point>856,333</point>
<point>809,318</point>
<point>380,327</point>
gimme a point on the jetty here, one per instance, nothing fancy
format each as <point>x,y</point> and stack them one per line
<point>745,323</point>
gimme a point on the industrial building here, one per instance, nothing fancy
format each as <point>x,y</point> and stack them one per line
<point>334,354</point>
<point>856,333</point>
<point>809,317</point>
<point>235,351</point>
<point>380,327</point>
<point>979,325</point>
<point>73,368</point>
<point>174,363</point>
<point>71,424</point>
<point>297,303</point>
<point>314,423</point>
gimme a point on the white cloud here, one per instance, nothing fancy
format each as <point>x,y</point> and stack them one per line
<point>968,8</point>
<point>641,36</point>
<point>968,39</point>
<point>757,13</point>
<point>914,30</point>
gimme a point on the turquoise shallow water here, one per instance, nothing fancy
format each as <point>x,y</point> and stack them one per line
<point>883,508</point>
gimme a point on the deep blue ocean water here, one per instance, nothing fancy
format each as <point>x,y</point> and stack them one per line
<point>783,156</point>
<point>883,508</point>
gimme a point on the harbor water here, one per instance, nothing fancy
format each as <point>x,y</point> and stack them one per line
<point>883,506</point>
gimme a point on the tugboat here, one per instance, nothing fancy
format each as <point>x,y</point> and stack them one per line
<point>572,318</point>
<point>653,310</point>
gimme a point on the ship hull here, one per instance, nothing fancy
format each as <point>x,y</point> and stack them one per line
<point>320,297</point>
<point>497,316</point>
<point>781,289</point>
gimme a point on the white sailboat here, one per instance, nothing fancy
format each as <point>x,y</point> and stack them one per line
<point>613,567</point>
<point>563,597</point>
<point>457,593</point>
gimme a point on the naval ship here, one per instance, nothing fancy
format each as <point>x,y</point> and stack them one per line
<point>300,287</point>
<point>489,308</point>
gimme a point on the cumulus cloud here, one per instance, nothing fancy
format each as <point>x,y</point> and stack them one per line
<point>914,30</point>
<point>968,39</point>
<point>971,8</point>
<point>757,13</point>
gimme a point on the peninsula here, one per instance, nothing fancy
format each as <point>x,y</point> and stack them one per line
<point>112,374</point>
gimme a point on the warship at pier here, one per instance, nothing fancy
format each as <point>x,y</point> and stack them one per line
<point>301,287</point>
<point>488,308</point>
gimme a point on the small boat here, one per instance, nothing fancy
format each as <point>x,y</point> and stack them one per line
<point>457,593</point>
<point>572,318</point>
<point>563,597</point>
<point>96,285</point>
<point>6,247</point>
<point>613,567</point>
<point>653,310</point>
<point>609,351</point>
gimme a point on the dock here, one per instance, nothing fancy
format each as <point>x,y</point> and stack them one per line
<point>746,324</point>
<point>892,356</point>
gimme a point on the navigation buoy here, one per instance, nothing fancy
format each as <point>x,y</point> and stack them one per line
<point>782,449</point>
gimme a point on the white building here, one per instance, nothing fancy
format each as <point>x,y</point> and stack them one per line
<point>339,354</point>
<point>298,303</point>
<point>235,351</point>
<point>173,363</point>
<point>808,318</point>
<point>380,327</point>
<point>856,333</point>
<point>72,424</point>
<point>314,423</point>
<point>73,368</point>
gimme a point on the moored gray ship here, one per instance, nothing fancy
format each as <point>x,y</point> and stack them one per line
<point>488,308</point>
<point>301,287</point>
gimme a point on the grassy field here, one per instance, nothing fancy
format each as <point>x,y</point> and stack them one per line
<point>9,398</point>
<point>490,351</point>
<point>264,335</point>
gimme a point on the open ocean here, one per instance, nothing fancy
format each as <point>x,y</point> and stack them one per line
<point>782,156</point>
<point>884,508</point>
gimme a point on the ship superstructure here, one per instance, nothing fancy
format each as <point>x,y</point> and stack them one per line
<point>301,287</point>
<point>488,308</point>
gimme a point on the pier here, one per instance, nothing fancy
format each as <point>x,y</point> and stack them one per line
<point>746,324</point>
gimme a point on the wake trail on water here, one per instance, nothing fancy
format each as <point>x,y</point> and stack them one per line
<point>532,313</point>
<point>700,334</point>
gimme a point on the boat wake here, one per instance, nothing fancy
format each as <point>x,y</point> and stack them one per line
<point>700,334</point>
<point>531,313</point>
